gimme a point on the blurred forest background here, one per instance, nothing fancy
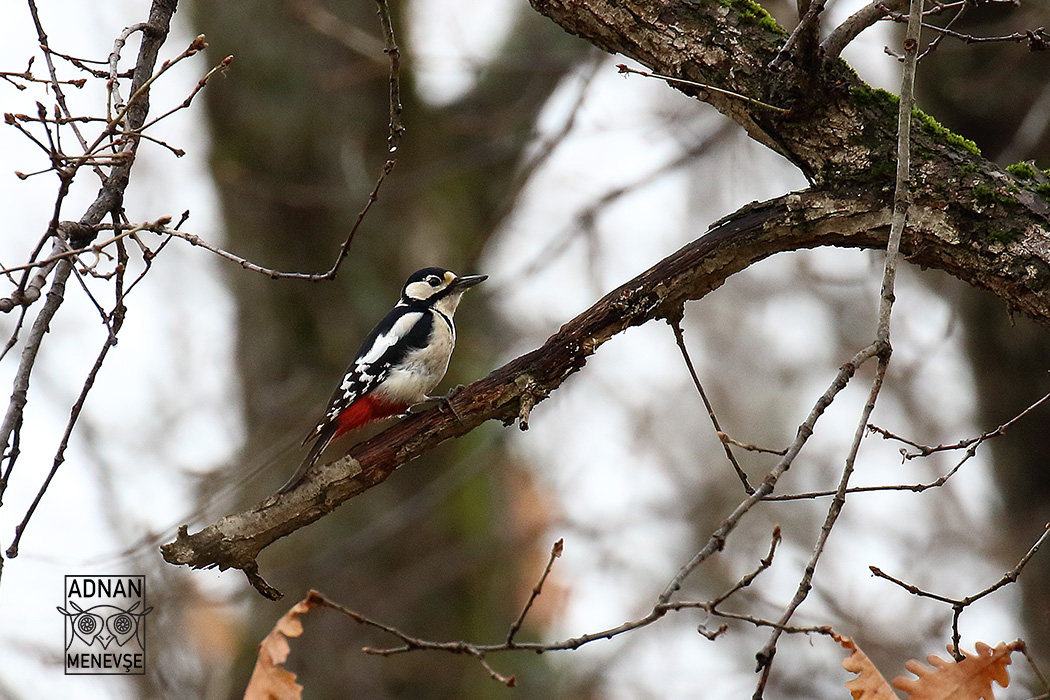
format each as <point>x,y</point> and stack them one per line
<point>526,157</point>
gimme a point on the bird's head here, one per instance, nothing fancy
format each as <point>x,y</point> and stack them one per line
<point>438,287</point>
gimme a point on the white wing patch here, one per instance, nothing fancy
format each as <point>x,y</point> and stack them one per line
<point>421,369</point>
<point>387,340</point>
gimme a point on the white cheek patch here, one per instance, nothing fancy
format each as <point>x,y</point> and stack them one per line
<point>419,290</point>
<point>387,340</point>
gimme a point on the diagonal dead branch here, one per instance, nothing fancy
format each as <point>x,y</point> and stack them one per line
<point>788,223</point>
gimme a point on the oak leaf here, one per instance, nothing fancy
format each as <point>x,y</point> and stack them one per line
<point>270,680</point>
<point>969,679</point>
<point>869,683</point>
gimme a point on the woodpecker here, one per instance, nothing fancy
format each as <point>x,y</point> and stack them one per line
<point>401,361</point>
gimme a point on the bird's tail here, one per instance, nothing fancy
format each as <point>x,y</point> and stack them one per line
<point>323,438</point>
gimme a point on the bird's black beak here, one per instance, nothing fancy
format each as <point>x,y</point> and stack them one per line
<point>467,281</point>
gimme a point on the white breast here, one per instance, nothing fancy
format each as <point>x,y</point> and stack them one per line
<point>422,369</point>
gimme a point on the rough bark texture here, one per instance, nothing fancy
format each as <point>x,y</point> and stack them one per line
<point>968,218</point>
<point>795,221</point>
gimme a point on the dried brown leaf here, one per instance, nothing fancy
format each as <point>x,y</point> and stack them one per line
<point>969,679</point>
<point>869,683</point>
<point>270,681</point>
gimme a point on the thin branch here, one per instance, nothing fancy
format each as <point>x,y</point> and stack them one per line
<point>1035,668</point>
<point>747,580</point>
<point>803,38</point>
<point>96,248</point>
<point>765,656</point>
<point>710,88</point>
<point>56,84</point>
<point>410,643</point>
<point>115,322</point>
<point>113,101</point>
<point>960,604</point>
<point>397,129</point>
<point>717,540</point>
<point>748,446</point>
<point>1038,39</point>
<point>932,46</point>
<point>926,450</point>
<point>971,445</point>
<point>676,325</point>
<point>881,346</point>
<point>556,551</point>
<point>344,249</point>
<point>185,104</point>
<point>20,390</point>
<point>860,20</point>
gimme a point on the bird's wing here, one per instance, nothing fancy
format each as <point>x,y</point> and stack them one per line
<point>398,333</point>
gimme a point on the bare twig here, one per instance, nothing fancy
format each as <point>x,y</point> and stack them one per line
<point>881,347</point>
<point>556,551</point>
<point>220,68</point>
<point>96,248</point>
<point>397,129</point>
<point>966,443</point>
<point>344,249</point>
<point>56,83</point>
<point>803,39</point>
<point>717,540</point>
<point>749,447</point>
<point>747,580</point>
<point>113,100</point>
<point>960,604</point>
<point>676,325</point>
<point>971,445</point>
<point>195,240</point>
<point>1038,39</point>
<point>1023,648</point>
<point>932,46</point>
<point>410,643</point>
<point>860,20</point>
<point>710,88</point>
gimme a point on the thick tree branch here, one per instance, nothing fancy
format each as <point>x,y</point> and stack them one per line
<point>845,217</point>
<point>839,129</point>
<point>967,218</point>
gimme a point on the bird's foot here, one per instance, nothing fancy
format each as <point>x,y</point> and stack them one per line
<point>446,400</point>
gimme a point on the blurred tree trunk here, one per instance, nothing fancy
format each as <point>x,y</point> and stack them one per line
<point>299,130</point>
<point>1010,355</point>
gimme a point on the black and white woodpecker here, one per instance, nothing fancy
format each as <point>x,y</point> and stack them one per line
<point>401,361</point>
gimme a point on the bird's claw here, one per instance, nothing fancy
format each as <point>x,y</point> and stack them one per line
<point>446,400</point>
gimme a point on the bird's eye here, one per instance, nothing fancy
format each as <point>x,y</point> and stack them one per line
<point>433,280</point>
